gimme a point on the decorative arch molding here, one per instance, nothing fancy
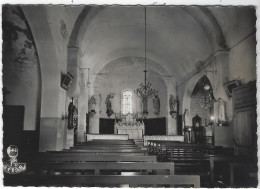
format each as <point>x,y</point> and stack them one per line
<point>125,61</point>
<point>186,101</point>
<point>202,15</point>
<point>48,64</point>
<point>74,52</point>
<point>82,23</point>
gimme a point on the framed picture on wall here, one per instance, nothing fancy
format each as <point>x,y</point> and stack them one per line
<point>229,86</point>
<point>66,81</point>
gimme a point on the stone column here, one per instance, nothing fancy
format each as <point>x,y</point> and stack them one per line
<point>82,109</point>
<point>220,78</point>
<point>94,124</point>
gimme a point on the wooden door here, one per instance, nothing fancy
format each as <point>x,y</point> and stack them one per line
<point>245,131</point>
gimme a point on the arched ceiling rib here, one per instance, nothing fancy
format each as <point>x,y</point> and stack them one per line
<point>176,38</point>
<point>135,63</point>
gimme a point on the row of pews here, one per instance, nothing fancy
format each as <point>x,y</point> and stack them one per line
<point>209,161</point>
<point>101,163</point>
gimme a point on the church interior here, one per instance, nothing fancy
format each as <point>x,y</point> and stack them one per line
<point>129,96</point>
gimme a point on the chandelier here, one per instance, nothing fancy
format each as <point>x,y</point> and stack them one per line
<point>145,89</point>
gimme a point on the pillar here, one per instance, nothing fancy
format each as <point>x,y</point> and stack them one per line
<point>82,108</point>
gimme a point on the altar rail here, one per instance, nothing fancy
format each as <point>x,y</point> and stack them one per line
<point>106,137</point>
<point>163,138</point>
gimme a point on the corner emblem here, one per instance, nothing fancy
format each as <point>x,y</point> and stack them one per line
<point>12,166</point>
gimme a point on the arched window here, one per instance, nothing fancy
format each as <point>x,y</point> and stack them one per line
<point>127,102</point>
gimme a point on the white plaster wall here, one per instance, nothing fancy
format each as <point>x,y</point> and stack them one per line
<point>129,77</point>
<point>22,80</point>
<point>242,60</point>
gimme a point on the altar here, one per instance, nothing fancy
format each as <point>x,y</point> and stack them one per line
<point>134,129</point>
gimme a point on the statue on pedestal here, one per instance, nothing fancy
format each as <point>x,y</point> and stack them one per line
<point>221,111</point>
<point>156,105</point>
<point>92,105</point>
<point>187,118</point>
<point>173,104</point>
<point>108,102</point>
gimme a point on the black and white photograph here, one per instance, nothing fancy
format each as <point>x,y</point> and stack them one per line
<point>144,95</point>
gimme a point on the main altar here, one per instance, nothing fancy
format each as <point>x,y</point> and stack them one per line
<point>134,129</point>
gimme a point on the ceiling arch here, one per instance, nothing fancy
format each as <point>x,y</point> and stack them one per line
<point>154,69</point>
<point>177,37</point>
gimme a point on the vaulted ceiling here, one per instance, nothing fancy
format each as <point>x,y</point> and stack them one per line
<point>177,37</point>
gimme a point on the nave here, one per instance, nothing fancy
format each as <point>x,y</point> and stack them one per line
<point>123,163</point>
<point>129,95</point>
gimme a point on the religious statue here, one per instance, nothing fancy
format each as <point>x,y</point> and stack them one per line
<point>73,116</point>
<point>156,105</point>
<point>187,118</point>
<point>144,103</point>
<point>109,104</point>
<point>173,104</point>
<point>221,110</point>
<point>100,101</point>
<point>92,104</point>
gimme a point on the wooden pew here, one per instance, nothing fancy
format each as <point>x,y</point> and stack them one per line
<point>111,142</point>
<point>74,157</point>
<point>104,151</point>
<point>179,151</point>
<point>79,153</point>
<point>111,166</point>
<point>105,147</point>
<point>94,180</point>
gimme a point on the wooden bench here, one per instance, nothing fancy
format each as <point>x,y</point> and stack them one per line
<point>105,147</point>
<point>155,146</point>
<point>74,157</point>
<point>111,142</point>
<point>111,166</point>
<point>79,153</point>
<point>179,151</point>
<point>104,180</point>
<point>104,151</point>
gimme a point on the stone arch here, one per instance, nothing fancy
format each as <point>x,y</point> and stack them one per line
<point>50,118</point>
<point>202,15</point>
<point>157,68</point>
<point>74,52</point>
<point>49,67</point>
<point>186,101</point>
<point>82,23</point>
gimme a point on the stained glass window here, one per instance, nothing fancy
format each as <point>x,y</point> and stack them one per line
<point>127,102</point>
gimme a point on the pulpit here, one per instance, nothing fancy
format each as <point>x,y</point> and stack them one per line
<point>134,129</point>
